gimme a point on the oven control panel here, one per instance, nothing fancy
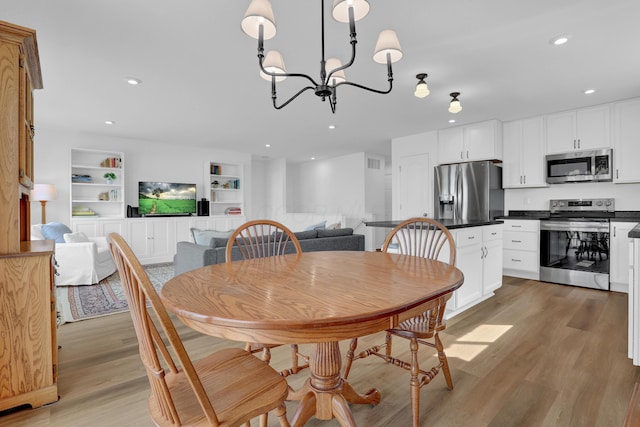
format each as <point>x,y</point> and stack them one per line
<point>581,205</point>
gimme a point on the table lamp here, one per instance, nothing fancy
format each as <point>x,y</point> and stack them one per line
<point>43,193</point>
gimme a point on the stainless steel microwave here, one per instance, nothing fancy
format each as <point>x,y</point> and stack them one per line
<point>580,166</point>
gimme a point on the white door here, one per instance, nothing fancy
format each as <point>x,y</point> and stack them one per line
<point>416,186</point>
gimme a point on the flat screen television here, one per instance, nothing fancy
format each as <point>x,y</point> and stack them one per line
<point>166,198</point>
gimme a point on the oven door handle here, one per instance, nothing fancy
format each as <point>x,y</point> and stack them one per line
<point>597,227</point>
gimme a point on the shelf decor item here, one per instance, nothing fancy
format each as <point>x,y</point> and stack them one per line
<point>109,177</point>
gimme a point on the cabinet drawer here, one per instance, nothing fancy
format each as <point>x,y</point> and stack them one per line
<point>469,236</point>
<point>520,241</point>
<point>520,260</point>
<point>521,225</point>
<point>492,232</point>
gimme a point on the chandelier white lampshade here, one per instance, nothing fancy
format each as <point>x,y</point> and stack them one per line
<point>455,106</point>
<point>259,12</point>
<point>273,63</point>
<point>387,43</point>
<point>422,90</point>
<point>338,76</point>
<point>341,9</point>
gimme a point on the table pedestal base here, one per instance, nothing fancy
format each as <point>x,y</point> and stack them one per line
<point>325,394</point>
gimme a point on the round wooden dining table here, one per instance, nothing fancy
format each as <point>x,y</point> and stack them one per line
<point>311,297</point>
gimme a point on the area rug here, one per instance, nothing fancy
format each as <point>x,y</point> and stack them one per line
<point>107,297</point>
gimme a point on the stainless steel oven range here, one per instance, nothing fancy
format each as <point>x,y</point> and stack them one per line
<point>574,243</point>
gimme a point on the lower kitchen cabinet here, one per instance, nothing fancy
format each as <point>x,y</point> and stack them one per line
<point>479,257</point>
<point>619,255</point>
<point>521,254</point>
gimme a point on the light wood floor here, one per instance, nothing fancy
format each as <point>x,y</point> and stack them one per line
<point>536,354</point>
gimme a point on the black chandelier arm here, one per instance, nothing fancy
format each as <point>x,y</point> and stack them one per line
<point>383,92</point>
<point>274,95</point>
<point>348,64</point>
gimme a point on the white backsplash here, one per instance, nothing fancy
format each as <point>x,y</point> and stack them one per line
<point>627,196</point>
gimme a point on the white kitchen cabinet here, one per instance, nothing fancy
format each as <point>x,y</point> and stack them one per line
<point>626,141</point>
<point>521,248</point>
<point>478,141</point>
<point>479,257</point>
<point>524,154</point>
<point>151,239</point>
<point>583,129</point>
<point>492,259</point>
<point>619,255</point>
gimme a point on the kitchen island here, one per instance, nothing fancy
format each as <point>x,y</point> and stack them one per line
<point>634,295</point>
<point>478,256</point>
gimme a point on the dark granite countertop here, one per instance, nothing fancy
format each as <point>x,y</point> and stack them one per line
<point>449,223</point>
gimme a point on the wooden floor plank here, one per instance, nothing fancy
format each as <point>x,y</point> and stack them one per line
<point>536,354</point>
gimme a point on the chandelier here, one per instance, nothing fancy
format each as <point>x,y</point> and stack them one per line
<point>259,23</point>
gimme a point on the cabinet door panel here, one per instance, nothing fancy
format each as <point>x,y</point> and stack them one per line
<point>619,252</point>
<point>593,127</point>
<point>512,160</point>
<point>626,146</point>
<point>469,261</point>
<point>480,141</point>
<point>492,272</point>
<point>561,131</point>
<point>450,145</point>
<point>533,153</point>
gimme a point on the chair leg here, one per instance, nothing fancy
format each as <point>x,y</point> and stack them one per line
<point>415,384</point>
<point>349,359</point>
<point>281,413</point>
<point>444,361</point>
<point>387,342</point>
<point>264,419</point>
<point>294,359</point>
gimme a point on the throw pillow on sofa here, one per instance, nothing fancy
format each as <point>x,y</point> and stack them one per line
<point>55,231</point>
<point>78,237</point>
<point>203,237</point>
<point>318,226</point>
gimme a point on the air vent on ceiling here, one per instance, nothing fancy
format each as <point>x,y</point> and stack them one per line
<point>373,163</point>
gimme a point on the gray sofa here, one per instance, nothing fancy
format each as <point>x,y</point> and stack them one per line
<point>190,256</point>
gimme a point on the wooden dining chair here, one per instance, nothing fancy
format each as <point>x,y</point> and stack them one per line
<point>266,238</point>
<point>226,388</point>
<point>421,237</point>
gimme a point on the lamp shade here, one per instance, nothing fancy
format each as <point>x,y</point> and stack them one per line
<point>338,76</point>
<point>259,12</point>
<point>422,90</point>
<point>387,43</point>
<point>341,9</point>
<point>454,105</point>
<point>273,63</point>
<point>43,192</point>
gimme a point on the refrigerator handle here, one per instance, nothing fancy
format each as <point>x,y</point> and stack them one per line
<point>456,201</point>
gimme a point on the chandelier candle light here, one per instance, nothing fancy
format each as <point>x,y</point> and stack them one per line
<point>259,23</point>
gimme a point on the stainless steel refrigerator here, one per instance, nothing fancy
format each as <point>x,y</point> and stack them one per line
<point>468,191</point>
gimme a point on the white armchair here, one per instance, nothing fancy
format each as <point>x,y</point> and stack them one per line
<point>80,263</point>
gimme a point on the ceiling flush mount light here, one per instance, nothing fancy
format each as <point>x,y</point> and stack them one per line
<point>259,22</point>
<point>422,90</point>
<point>454,105</point>
<point>133,81</point>
<point>559,40</point>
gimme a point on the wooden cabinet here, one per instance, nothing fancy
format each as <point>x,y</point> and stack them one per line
<point>521,248</point>
<point>93,194</point>
<point>619,255</point>
<point>479,257</point>
<point>583,129</point>
<point>524,154</point>
<point>28,349</point>
<point>478,141</point>
<point>626,141</point>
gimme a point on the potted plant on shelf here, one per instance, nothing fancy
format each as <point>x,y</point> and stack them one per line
<point>109,177</point>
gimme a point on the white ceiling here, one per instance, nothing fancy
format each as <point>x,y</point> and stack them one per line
<point>201,84</point>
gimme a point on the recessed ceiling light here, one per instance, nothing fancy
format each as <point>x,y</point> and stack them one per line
<point>452,121</point>
<point>589,91</point>
<point>133,81</point>
<point>559,40</point>
<point>313,158</point>
<point>332,127</point>
<point>109,122</point>
<point>267,145</point>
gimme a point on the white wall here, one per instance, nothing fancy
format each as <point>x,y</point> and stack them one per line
<point>627,196</point>
<point>144,161</point>
<point>269,186</point>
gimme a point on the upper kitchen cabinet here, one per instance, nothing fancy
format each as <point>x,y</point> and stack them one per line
<point>626,141</point>
<point>524,151</point>
<point>583,129</point>
<point>478,141</point>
